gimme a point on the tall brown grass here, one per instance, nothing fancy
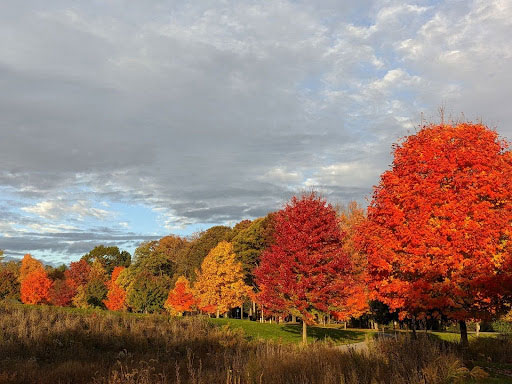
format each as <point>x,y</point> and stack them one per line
<point>53,345</point>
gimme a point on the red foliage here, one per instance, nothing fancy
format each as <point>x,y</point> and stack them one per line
<point>305,270</point>
<point>78,273</point>
<point>116,296</point>
<point>61,293</point>
<point>438,230</point>
<point>35,288</point>
<point>180,298</point>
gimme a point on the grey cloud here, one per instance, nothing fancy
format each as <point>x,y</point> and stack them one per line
<point>189,108</point>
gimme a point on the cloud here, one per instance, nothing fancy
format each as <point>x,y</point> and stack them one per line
<point>58,209</point>
<point>213,112</point>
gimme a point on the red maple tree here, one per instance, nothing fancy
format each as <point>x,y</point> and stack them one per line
<point>61,293</point>
<point>305,270</point>
<point>438,232</point>
<point>116,296</point>
<point>35,288</point>
<point>181,299</point>
<point>78,273</point>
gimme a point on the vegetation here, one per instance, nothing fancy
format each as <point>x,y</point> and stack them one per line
<point>60,345</point>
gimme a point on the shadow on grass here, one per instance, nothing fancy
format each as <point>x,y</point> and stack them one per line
<point>336,335</point>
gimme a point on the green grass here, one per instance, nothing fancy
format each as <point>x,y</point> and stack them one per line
<point>455,337</point>
<point>292,333</point>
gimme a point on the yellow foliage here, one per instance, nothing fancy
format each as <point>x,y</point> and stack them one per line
<point>220,285</point>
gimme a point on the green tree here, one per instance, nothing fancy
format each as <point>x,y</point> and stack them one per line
<point>109,257</point>
<point>147,293</point>
<point>250,242</point>
<point>192,256</point>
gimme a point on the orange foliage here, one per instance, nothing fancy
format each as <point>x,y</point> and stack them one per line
<point>28,265</point>
<point>180,299</point>
<point>35,288</point>
<point>438,231</point>
<point>116,296</point>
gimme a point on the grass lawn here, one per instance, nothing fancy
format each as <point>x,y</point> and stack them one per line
<point>292,333</point>
<point>455,337</point>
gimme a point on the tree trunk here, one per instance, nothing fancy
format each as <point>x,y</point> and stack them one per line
<point>463,333</point>
<point>477,329</point>
<point>294,319</point>
<point>218,314</point>
<point>304,332</point>
<point>242,312</point>
<point>262,317</point>
<point>344,325</point>
<point>414,335</point>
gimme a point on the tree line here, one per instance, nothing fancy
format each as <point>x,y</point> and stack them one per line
<point>433,245</point>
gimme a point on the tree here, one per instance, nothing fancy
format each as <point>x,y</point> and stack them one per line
<point>351,217</point>
<point>147,293</point>
<point>250,242</point>
<point>61,293</point>
<point>159,257</point>
<point>116,296</point>
<point>109,257</point>
<point>1,255</point>
<point>305,271</point>
<point>190,259</point>
<point>35,287</point>
<point>96,287</point>
<point>78,273</point>
<point>219,285</point>
<point>9,281</point>
<point>181,298</point>
<point>438,230</point>
<point>29,265</point>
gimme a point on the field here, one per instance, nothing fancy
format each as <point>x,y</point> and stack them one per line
<point>292,333</point>
<point>60,345</point>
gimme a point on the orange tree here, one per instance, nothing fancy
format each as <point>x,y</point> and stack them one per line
<point>306,271</point>
<point>116,296</point>
<point>35,288</point>
<point>220,285</point>
<point>438,230</point>
<point>180,299</point>
<point>28,265</point>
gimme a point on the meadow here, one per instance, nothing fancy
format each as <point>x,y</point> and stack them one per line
<point>43,344</point>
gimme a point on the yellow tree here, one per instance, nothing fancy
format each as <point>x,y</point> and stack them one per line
<point>220,285</point>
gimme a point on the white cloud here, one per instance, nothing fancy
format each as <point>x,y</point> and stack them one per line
<point>59,209</point>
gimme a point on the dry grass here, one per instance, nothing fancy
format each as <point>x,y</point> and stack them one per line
<point>51,345</point>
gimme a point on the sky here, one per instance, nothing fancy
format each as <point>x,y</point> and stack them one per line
<point>122,121</point>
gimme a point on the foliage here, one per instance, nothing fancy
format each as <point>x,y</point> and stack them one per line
<point>60,345</point>
<point>147,293</point>
<point>219,285</point>
<point>305,270</point>
<point>56,273</point>
<point>9,281</point>
<point>180,299</point>
<point>159,257</point>
<point>78,273</point>
<point>96,288</point>
<point>438,229</point>
<point>61,293</point>
<point>109,257</point>
<point>29,265</point>
<point>250,242</point>
<point>35,287</point>
<point>190,259</point>
<point>116,296</point>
